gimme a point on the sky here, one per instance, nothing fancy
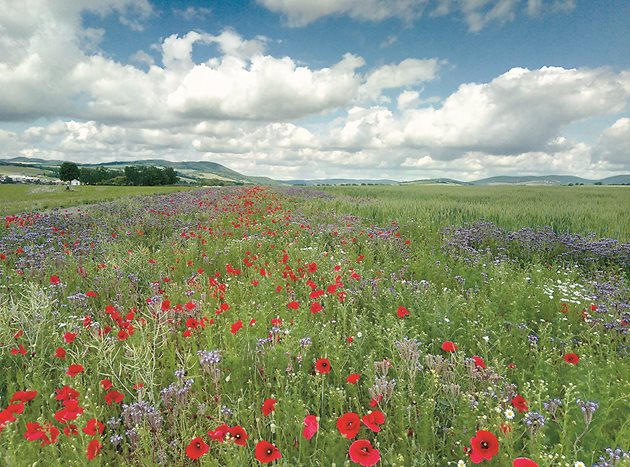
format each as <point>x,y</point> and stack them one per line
<point>291,89</point>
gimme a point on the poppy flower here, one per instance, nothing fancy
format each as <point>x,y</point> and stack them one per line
<point>373,419</point>
<point>23,396</point>
<point>375,401</point>
<point>93,448</point>
<point>54,280</point>
<point>402,312</point>
<point>60,353</point>
<point>353,378</point>
<point>106,384</point>
<point>363,453</point>
<point>268,406</point>
<point>93,427</point>
<point>236,326</point>
<point>69,337</point>
<point>218,434</point>
<point>196,448</point>
<point>519,403</point>
<point>479,362</point>
<point>571,358</point>
<point>311,426</point>
<point>485,445</point>
<point>75,369</point>
<point>114,396</point>
<point>66,393</point>
<point>20,350</point>
<point>349,425</point>
<point>322,365</point>
<point>294,305</point>
<point>266,452</point>
<point>316,307</point>
<point>239,435</point>
<point>523,462</point>
<point>448,346</point>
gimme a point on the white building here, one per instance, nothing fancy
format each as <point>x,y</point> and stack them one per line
<point>75,182</point>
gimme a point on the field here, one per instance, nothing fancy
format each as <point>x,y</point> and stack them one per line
<point>20,198</point>
<point>394,326</point>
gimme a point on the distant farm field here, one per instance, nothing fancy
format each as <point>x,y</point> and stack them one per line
<point>26,197</point>
<point>393,326</point>
<point>602,210</point>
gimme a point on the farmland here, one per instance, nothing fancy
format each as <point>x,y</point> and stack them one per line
<point>396,325</point>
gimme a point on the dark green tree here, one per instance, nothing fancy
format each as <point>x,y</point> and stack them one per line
<point>69,171</point>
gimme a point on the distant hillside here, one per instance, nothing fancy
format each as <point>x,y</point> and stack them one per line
<point>188,171</point>
<point>534,180</point>
<point>436,181</point>
<point>339,181</point>
<point>616,180</point>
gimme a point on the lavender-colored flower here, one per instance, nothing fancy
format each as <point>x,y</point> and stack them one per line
<point>588,408</point>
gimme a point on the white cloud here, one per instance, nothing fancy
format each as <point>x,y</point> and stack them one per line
<point>521,110</point>
<point>303,12</point>
<point>265,88</point>
<point>408,72</point>
<point>191,12</point>
<point>478,14</point>
<point>613,146</point>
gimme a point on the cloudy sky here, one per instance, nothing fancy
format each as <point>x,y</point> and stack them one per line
<point>402,89</point>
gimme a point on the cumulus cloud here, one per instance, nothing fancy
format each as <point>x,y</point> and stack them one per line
<point>303,12</point>
<point>613,146</point>
<point>408,72</point>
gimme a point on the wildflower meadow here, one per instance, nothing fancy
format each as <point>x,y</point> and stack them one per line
<point>396,326</point>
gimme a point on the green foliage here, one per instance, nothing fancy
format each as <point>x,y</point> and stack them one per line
<point>69,171</point>
<point>150,176</point>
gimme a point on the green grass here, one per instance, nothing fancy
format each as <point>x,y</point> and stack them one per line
<point>32,198</point>
<point>585,209</point>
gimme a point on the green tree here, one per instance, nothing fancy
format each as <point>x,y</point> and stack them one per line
<point>69,171</point>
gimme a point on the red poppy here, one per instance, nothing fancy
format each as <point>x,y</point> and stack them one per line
<point>266,452</point>
<point>353,378</point>
<point>523,462</point>
<point>239,435</point>
<point>69,337</point>
<point>363,453</point>
<point>20,350</point>
<point>294,305</point>
<point>479,362</point>
<point>114,396</point>
<point>71,410</point>
<point>60,353</point>
<point>402,312</point>
<point>67,393</point>
<point>196,448</point>
<point>268,406</point>
<point>448,346</point>
<point>485,445</point>
<point>23,396</point>
<point>519,403</point>
<point>373,419</point>
<point>375,401</point>
<point>571,358</point>
<point>311,426</point>
<point>316,307</point>
<point>75,369</point>
<point>93,427</point>
<point>106,384</point>
<point>47,434</point>
<point>218,434</point>
<point>349,425</point>
<point>93,448</point>
<point>54,280</point>
<point>322,365</point>
<point>236,326</point>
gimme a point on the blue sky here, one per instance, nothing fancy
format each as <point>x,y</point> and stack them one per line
<point>402,89</point>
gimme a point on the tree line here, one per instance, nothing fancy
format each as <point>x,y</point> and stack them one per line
<point>134,175</point>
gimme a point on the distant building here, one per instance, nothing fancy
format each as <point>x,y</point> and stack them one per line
<point>75,182</point>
